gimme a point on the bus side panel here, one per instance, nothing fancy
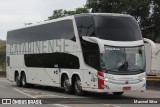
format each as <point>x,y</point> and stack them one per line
<point>148,57</point>
<point>40,76</point>
<point>9,74</point>
<point>8,68</point>
<point>90,80</point>
<point>13,66</point>
<point>31,75</point>
<point>52,77</point>
<point>155,67</point>
<point>35,75</point>
<point>49,76</point>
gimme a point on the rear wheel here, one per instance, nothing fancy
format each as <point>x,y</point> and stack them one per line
<point>78,86</point>
<point>23,80</point>
<point>66,85</point>
<point>118,93</point>
<point>18,81</point>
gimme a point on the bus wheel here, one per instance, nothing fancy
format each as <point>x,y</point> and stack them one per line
<point>18,82</point>
<point>23,79</point>
<point>118,93</point>
<point>78,86</point>
<point>66,85</point>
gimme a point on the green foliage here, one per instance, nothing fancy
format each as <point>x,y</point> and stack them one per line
<point>57,14</point>
<point>146,12</point>
<point>2,60</point>
<point>61,13</point>
<point>2,55</point>
<point>154,28</point>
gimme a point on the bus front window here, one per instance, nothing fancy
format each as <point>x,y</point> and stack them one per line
<point>120,60</point>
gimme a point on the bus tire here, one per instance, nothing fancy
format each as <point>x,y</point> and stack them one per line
<point>18,82</point>
<point>118,93</point>
<point>23,80</point>
<point>78,86</point>
<point>66,85</point>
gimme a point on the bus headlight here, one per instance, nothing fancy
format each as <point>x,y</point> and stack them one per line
<point>103,78</point>
<point>141,78</point>
<point>106,79</point>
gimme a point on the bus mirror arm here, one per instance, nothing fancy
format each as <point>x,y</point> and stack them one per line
<point>157,52</point>
<point>153,46</point>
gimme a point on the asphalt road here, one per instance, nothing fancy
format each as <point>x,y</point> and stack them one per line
<point>55,96</point>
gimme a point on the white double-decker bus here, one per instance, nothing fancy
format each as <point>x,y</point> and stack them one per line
<point>85,52</point>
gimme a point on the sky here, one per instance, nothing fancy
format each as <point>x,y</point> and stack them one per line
<point>14,13</point>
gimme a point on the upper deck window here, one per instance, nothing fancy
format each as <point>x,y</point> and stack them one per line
<point>55,30</point>
<point>115,28</point>
<point>85,26</point>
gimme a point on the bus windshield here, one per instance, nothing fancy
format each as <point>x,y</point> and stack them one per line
<point>120,60</point>
<point>117,28</point>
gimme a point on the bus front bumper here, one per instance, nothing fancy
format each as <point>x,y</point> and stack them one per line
<point>111,87</point>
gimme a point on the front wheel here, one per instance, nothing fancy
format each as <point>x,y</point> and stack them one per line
<point>78,86</point>
<point>118,93</point>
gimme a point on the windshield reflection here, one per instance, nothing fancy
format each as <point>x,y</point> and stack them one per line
<point>124,60</point>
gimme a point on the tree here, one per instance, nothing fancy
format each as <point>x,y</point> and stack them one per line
<point>2,60</point>
<point>57,14</point>
<point>146,12</point>
<point>2,55</point>
<point>154,29</point>
<point>61,13</point>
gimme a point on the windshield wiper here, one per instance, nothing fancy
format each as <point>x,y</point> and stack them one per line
<point>113,69</point>
<point>137,69</point>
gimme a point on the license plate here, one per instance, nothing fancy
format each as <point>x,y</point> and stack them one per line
<point>126,88</point>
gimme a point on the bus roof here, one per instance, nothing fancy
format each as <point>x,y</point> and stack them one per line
<point>72,17</point>
<point>103,14</point>
<point>44,22</point>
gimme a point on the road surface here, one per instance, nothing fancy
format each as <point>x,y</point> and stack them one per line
<point>10,90</point>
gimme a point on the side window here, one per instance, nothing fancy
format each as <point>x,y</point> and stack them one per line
<point>8,61</point>
<point>55,30</point>
<point>91,54</point>
<point>66,30</point>
<point>93,60</point>
<point>48,60</point>
<point>85,26</point>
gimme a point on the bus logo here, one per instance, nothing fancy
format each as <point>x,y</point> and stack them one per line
<point>126,82</point>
